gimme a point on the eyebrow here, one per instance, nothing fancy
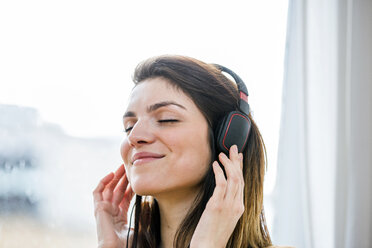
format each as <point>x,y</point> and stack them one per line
<point>154,107</point>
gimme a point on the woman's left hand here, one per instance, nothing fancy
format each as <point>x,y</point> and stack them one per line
<point>226,205</point>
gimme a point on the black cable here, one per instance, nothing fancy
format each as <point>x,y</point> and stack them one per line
<point>130,221</point>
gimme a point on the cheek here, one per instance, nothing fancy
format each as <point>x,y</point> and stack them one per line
<point>191,150</point>
<point>124,149</point>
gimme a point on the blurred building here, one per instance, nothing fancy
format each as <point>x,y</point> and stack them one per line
<point>19,158</point>
<point>48,174</point>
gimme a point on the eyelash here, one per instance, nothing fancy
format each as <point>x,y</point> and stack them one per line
<point>167,120</point>
<point>160,121</point>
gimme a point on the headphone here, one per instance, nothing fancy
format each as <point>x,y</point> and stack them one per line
<point>234,128</point>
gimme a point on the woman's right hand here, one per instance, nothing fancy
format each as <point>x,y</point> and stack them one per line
<point>112,197</point>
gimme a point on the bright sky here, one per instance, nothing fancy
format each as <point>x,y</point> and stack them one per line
<point>73,60</point>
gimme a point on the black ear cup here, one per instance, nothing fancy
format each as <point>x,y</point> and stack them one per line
<point>233,129</point>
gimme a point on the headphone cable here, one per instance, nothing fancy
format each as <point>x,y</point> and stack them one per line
<point>130,221</point>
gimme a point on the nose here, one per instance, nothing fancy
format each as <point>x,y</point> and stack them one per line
<point>140,134</point>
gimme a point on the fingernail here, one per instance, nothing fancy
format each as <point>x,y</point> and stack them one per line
<point>235,148</point>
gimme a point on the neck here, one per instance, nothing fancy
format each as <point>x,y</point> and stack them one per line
<point>173,208</point>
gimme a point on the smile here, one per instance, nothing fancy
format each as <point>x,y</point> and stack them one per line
<point>145,157</point>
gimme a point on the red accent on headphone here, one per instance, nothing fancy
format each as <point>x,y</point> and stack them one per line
<point>227,129</point>
<point>243,96</point>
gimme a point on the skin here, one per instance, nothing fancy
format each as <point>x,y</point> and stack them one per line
<point>174,178</point>
<point>185,148</point>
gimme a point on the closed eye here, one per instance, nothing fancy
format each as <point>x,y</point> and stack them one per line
<point>167,120</point>
<point>160,121</point>
<point>128,129</point>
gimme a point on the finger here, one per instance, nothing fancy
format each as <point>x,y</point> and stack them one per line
<point>233,153</point>
<point>120,190</point>
<point>241,160</point>
<point>232,172</point>
<point>231,166</point>
<point>238,201</point>
<point>108,191</point>
<point>241,156</point>
<point>128,195</point>
<point>97,193</point>
<point>240,195</point>
<point>221,183</point>
<point>118,174</point>
<point>236,158</point>
<point>241,163</point>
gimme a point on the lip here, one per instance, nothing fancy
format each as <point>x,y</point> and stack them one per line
<point>143,157</point>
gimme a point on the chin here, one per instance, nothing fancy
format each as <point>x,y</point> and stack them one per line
<point>144,189</point>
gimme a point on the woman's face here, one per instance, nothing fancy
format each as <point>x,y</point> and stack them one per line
<point>166,148</point>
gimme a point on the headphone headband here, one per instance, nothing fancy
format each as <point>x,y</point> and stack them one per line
<point>243,92</point>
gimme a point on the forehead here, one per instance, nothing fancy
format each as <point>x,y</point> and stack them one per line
<point>153,90</point>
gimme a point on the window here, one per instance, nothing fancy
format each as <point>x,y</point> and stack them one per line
<point>70,64</point>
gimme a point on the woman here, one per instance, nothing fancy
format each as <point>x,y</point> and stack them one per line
<point>188,193</point>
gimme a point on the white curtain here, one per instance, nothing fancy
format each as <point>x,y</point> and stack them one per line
<point>323,193</point>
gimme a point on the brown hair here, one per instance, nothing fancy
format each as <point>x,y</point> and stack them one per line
<point>214,95</point>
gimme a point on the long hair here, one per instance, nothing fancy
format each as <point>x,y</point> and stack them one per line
<point>215,95</point>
